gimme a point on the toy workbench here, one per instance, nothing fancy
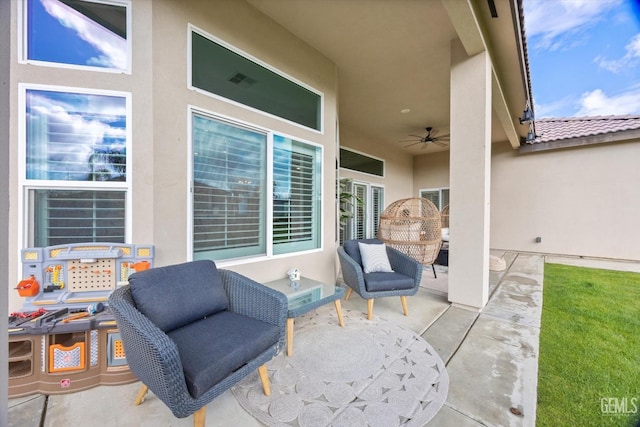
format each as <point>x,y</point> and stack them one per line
<point>64,339</point>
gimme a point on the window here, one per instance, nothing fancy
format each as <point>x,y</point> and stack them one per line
<point>224,72</point>
<point>76,33</point>
<point>254,192</point>
<point>75,165</point>
<point>439,196</point>
<point>70,216</point>
<point>361,162</point>
<point>366,208</point>
<point>296,195</point>
<point>377,207</point>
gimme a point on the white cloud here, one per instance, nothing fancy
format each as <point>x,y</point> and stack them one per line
<point>598,103</point>
<point>630,59</point>
<point>112,46</point>
<point>549,21</point>
<point>556,108</point>
<point>80,134</point>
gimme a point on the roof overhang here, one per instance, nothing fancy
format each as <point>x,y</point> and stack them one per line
<point>606,138</point>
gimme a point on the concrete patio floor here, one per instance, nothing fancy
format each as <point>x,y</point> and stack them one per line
<point>491,358</point>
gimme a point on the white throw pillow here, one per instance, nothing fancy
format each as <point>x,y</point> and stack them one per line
<point>374,258</point>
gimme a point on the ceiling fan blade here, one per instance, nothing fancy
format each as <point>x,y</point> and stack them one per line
<point>447,136</point>
<point>441,144</point>
<point>410,140</point>
<point>415,143</point>
<point>416,136</point>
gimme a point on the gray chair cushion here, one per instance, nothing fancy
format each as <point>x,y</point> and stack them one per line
<point>231,341</point>
<point>353,250</point>
<point>176,295</point>
<point>375,282</point>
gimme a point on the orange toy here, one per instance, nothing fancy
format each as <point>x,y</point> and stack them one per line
<point>28,287</point>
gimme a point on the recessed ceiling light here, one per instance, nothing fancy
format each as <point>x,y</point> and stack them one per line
<point>405,111</point>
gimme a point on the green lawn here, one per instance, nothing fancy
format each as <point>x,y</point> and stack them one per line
<point>589,347</point>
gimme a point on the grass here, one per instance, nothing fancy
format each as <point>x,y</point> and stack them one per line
<point>589,347</point>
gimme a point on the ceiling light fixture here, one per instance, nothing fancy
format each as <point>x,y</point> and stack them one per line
<point>405,111</point>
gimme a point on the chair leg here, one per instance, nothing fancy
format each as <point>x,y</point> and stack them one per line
<point>433,267</point>
<point>289,336</point>
<point>339,311</point>
<point>369,309</point>
<point>405,309</point>
<point>141,394</point>
<point>199,417</point>
<point>348,295</point>
<point>264,378</point>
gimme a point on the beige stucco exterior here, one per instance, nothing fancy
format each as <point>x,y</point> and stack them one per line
<point>581,201</point>
<point>160,120</point>
<point>398,165</point>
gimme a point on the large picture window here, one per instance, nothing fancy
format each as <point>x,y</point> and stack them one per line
<point>75,165</point>
<point>77,33</point>
<point>255,193</point>
<point>229,187</point>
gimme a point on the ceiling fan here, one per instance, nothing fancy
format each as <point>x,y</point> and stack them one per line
<point>431,137</point>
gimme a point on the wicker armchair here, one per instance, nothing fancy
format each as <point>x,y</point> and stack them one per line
<point>190,332</point>
<point>403,281</point>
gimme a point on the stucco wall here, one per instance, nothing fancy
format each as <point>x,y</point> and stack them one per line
<point>160,99</point>
<point>138,83</point>
<point>430,171</point>
<point>5,106</point>
<point>269,43</point>
<point>398,179</point>
<point>580,201</point>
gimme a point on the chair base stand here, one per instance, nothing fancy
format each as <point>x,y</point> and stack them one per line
<point>199,417</point>
<point>403,300</point>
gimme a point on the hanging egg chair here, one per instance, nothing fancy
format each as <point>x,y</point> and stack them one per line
<point>444,217</point>
<point>413,227</point>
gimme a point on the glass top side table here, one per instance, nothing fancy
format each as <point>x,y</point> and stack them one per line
<point>306,295</point>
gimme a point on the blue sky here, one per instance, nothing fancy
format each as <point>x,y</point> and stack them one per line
<point>58,33</point>
<point>584,56</point>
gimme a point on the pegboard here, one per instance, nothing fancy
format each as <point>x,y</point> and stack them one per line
<point>73,275</point>
<point>95,276</point>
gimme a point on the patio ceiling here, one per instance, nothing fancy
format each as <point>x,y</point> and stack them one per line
<point>394,55</point>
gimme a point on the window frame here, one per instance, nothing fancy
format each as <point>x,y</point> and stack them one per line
<point>23,41</point>
<point>440,191</point>
<point>192,28</point>
<point>25,209</point>
<point>269,216</point>
<point>364,155</point>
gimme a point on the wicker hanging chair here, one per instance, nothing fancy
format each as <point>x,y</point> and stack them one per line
<point>444,217</point>
<point>413,227</point>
